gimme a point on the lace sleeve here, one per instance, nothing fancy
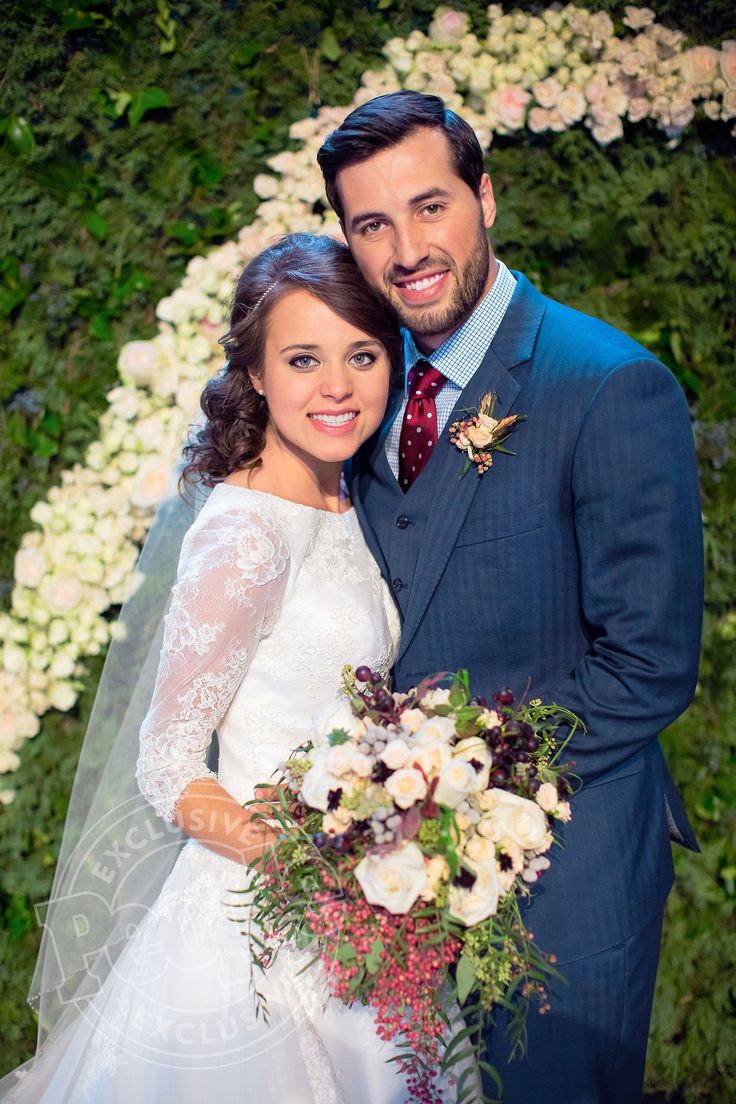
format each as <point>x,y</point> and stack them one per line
<point>229,589</point>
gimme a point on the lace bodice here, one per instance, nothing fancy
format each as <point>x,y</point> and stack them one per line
<point>272,598</point>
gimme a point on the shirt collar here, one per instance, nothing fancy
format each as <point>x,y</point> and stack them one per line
<point>457,358</point>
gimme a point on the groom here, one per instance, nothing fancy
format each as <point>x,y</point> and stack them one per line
<point>576,563</point>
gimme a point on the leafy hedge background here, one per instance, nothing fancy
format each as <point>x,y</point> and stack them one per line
<point>144,125</point>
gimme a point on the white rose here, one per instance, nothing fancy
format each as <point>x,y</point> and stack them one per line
<point>547,797</point>
<point>362,765</point>
<point>448,26</point>
<point>41,513</point>
<point>30,566</point>
<point>412,718</point>
<point>699,65</point>
<point>439,696</point>
<point>7,797</point>
<point>14,658</point>
<point>316,785</point>
<point>435,730</point>
<point>395,754</point>
<point>480,850</point>
<point>394,880</point>
<point>340,759</point>
<point>638,18</point>
<point>62,695</point>
<point>520,819</point>
<point>510,105</point>
<point>406,786</point>
<point>9,761</point>
<point>336,823</point>
<point>474,750</point>
<point>265,186</point>
<point>457,779</point>
<point>472,906</point>
<point>137,362</point>
<point>431,758</point>
<point>61,594</point>
<point>62,666</point>
<point>571,105</point>
<point>727,61</point>
<point>546,92</point>
<point>150,483</point>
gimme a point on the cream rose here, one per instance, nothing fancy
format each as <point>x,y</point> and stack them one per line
<point>699,65</point>
<point>431,758</point>
<point>727,61</point>
<point>439,696</point>
<point>435,730</point>
<point>406,786</point>
<point>316,785</point>
<point>395,754</point>
<point>30,566</point>
<point>520,819</point>
<point>474,750</point>
<point>472,906</point>
<point>456,781</point>
<point>394,880</point>
<point>412,718</point>
<point>547,797</point>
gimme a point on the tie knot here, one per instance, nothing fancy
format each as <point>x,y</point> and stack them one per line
<point>424,380</point>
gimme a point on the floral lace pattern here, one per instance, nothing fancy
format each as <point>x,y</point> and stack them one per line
<point>230,586</point>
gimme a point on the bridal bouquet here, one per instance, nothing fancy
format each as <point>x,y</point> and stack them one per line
<point>413,825</point>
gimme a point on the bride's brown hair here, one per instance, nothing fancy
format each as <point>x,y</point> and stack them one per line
<point>234,434</point>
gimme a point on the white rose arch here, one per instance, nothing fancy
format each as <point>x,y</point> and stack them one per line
<point>561,69</point>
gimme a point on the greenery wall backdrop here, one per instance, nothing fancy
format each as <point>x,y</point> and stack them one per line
<point>131,134</point>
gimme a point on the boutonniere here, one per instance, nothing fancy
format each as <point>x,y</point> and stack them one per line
<point>480,434</point>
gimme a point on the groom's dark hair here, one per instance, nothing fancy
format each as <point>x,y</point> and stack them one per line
<point>387,120</point>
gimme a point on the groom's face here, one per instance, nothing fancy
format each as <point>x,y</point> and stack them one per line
<point>418,233</point>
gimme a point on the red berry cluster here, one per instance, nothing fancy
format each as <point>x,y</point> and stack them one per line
<point>411,972</point>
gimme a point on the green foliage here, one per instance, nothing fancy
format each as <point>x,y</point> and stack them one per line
<point>129,134</point>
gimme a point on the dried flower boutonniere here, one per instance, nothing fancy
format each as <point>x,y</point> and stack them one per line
<point>480,434</point>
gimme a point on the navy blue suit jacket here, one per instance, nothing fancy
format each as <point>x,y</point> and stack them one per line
<point>577,564</point>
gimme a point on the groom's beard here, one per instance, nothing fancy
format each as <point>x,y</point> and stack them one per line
<point>468,289</point>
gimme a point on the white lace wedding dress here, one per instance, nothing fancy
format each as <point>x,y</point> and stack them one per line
<point>272,599</point>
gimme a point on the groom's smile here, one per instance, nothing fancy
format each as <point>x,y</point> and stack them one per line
<point>418,233</point>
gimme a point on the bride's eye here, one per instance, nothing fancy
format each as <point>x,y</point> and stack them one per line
<point>303,361</point>
<point>363,359</point>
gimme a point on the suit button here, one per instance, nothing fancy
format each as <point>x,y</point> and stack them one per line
<point>398,585</point>
<point>402,522</point>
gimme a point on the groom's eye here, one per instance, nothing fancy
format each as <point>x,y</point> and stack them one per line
<point>371,227</point>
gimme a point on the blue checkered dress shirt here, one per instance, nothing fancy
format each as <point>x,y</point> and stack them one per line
<point>457,359</point>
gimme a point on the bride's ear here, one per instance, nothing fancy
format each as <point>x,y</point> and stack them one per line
<point>257,383</point>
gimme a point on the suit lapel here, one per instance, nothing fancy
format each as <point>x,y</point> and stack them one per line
<point>512,345</point>
<point>365,461</point>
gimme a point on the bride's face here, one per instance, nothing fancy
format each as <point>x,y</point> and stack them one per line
<point>325,381</point>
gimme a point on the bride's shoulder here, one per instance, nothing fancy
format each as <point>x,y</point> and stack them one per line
<point>236,521</point>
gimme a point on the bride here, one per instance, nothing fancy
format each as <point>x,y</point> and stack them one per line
<point>275,591</point>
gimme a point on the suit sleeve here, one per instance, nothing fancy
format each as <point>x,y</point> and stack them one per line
<point>638,531</point>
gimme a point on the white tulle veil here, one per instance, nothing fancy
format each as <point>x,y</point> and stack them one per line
<point>116,852</point>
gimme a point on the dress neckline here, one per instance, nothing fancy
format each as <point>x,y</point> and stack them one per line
<point>286,501</point>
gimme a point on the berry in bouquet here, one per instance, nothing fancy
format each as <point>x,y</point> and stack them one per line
<point>412,828</point>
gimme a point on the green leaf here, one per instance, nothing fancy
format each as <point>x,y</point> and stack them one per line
<point>338,736</point>
<point>96,225</point>
<point>146,100</point>
<point>99,326</point>
<point>51,424</point>
<point>248,52</point>
<point>41,444</point>
<point>346,952</point>
<point>19,135</point>
<point>185,232</point>
<point>373,958</point>
<point>329,45</point>
<point>464,978</point>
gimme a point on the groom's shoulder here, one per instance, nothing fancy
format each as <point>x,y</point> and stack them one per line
<point>586,341</point>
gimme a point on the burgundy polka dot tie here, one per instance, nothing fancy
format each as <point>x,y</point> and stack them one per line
<point>419,428</point>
